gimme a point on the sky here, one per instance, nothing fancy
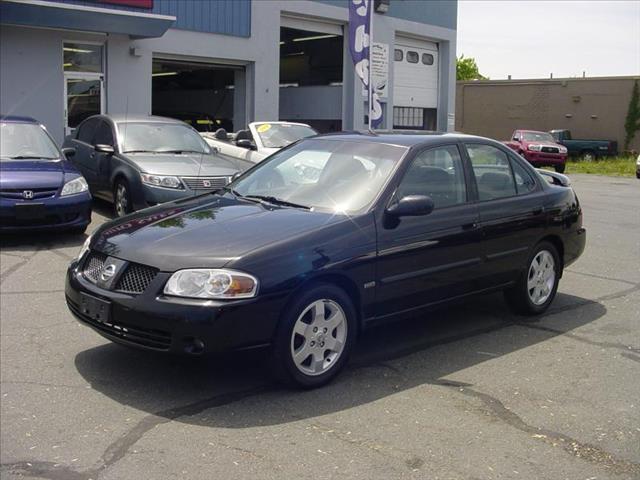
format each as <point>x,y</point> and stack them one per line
<point>532,39</point>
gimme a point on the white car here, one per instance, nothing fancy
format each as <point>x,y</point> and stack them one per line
<point>259,141</point>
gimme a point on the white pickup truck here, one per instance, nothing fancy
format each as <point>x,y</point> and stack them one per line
<point>259,141</point>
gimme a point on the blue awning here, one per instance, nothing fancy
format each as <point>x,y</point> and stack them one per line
<point>39,13</point>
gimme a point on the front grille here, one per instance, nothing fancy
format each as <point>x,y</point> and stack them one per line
<point>205,183</point>
<point>550,150</point>
<point>93,266</point>
<point>136,278</point>
<point>146,337</point>
<point>38,222</point>
<point>17,193</point>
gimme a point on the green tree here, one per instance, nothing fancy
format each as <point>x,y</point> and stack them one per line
<point>467,69</point>
<point>632,123</point>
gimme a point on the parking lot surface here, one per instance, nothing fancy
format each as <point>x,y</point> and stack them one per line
<point>466,392</point>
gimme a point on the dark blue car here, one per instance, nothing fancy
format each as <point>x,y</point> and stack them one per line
<point>39,188</point>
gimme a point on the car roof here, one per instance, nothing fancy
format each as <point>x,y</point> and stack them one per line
<point>17,119</point>
<point>121,118</point>
<point>410,139</point>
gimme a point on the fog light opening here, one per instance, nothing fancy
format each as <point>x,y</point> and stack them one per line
<point>193,346</point>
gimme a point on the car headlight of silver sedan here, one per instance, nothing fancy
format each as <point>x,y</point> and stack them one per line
<point>77,185</point>
<point>211,283</point>
<point>166,181</point>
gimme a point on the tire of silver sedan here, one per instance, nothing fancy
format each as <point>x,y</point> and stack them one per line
<point>315,337</point>
<point>122,198</point>
<point>538,284</point>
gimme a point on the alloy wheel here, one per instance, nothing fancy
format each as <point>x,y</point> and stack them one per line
<point>319,337</point>
<point>122,200</point>
<point>541,278</point>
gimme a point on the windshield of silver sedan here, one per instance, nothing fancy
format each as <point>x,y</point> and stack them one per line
<point>322,174</point>
<point>154,137</point>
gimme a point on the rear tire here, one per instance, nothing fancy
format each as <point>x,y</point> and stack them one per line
<point>560,168</point>
<point>537,286</point>
<point>315,337</point>
<point>588,155</point>
<point>122,204</point>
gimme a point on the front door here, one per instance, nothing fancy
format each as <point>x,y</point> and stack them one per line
<point>426,259</point>
<point>83,94</point>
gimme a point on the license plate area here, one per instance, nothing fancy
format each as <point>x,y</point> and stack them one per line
<point>30,211</point>
<point>95,308</point>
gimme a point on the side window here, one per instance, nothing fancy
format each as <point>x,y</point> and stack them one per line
<point>524,181</point>
<point>86,130</point>
<point>492,171</point>
<point>103,135</point>
<point>398,55</point>
<point>412,57</point>
<point>438,173</point>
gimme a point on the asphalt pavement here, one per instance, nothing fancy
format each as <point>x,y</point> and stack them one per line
<point>466,392</point>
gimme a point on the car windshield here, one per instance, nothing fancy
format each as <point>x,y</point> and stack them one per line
<point>279,135</point>
<point>26,141</point>
<point>538,137</point>
<point>160,138</point>
<point>320,174</point>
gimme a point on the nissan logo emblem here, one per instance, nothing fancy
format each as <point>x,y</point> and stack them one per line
<point>206,183</point>
<point>27,194</point>
<point>108,272</point>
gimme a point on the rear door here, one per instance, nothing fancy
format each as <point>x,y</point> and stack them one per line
<point>510,205</point>
<point>425,259</point>
<point>84,159</point>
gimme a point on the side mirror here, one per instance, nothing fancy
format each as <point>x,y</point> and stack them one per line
<point>235,175</point>
<point>101,148</point>
<point>246,143</point>
<point>515,139</point>
<point>411,206</point>
<point>68,152</point>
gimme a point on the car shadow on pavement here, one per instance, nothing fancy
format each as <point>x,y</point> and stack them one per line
<point>231,391</point>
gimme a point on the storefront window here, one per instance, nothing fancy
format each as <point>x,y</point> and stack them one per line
<point>82,57</point>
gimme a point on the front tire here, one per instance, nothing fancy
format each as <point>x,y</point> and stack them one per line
<point>315,337</point>
<point>560,168</point>
<point>122,204</point>
<point>538,284</point>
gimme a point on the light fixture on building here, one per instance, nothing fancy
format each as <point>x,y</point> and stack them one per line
<point>76,50</point>
<point>315,37</point>
<point>164,74</point>
<point>381,6</point>
<point>135,52</point>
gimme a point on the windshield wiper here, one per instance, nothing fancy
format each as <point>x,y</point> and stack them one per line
<point>31,157</point>
<point>139,151</point>
<point>277,201</point>
<point>178,151</point>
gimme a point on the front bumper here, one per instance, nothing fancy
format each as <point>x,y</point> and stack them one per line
<point>155,195</point>
<point>541,159</point>
<point>58,213</point>
<point>153,321</point>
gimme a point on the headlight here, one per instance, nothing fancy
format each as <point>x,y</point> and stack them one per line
<point>211,283</point>
<point>562,149</point>
<point>535,148</point>
<point>85,247</point>
<point>77,185</point>
<point>161,180</point>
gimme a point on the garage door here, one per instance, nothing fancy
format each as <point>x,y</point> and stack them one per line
<point>415,85</point>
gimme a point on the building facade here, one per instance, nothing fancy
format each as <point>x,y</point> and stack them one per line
<point>223,62</point>
<point>591,108</point>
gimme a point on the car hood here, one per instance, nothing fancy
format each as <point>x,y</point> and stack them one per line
<point>184,165</point>
<point>34,173</point>
<point>205,231</point>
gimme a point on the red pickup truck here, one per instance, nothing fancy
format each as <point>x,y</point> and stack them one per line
<point>539,148</point>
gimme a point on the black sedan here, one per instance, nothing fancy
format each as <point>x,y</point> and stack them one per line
<point>323,239</point>
<point>140,161</point>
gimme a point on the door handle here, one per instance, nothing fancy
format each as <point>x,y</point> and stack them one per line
<point>538,210</point>
<point>470,226</point>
